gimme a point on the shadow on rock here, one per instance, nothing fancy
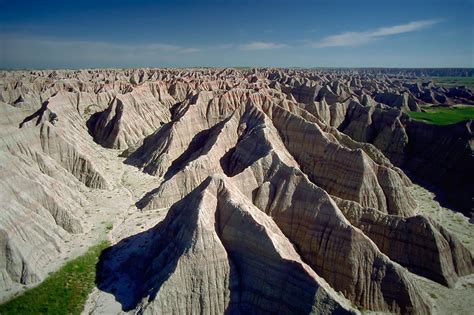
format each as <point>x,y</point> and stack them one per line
<point>38,115</point>
<point>137,266</point>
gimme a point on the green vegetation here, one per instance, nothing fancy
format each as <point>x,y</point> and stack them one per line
<point>444,115</point>
<point>109,226</point>
<point>64,291</point>
<point>452,81</point>
<point>360,308</point>
<point>89,109</point>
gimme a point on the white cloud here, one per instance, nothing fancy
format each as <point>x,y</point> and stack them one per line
<point>163,47</point>
<point>189,50</point>
<point>261,46</point>
<point>223,46</point>
<point>30,51</point>
<point>359,38</point>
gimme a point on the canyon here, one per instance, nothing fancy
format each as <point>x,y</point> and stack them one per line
<point>239,190</point>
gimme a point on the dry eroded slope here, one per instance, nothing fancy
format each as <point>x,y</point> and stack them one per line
<point>271,208</point>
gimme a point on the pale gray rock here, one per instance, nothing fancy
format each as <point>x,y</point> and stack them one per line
<point>283,195</point>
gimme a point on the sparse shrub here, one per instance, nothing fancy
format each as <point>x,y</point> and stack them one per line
<point>109,226</point>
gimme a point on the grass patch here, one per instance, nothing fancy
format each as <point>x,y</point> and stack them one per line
<point>64,291</point>
<point>444,115</point>
<point>452,81</point>
<point>360,308</point>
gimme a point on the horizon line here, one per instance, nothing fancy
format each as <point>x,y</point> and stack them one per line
<point>234,67</point>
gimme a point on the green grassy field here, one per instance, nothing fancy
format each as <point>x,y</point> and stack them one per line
<point>452,81</point>
<point>444,115</point>
<point>64,291</point>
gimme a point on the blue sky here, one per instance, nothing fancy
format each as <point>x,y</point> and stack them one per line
<point>91,34</point>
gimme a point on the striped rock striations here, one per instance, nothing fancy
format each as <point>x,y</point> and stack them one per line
<point>277,187</point>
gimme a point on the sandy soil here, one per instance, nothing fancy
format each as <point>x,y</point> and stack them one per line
<point>101,302</point>
<point>455,222</point>
<point>132,184</point>
<point>460,299</point>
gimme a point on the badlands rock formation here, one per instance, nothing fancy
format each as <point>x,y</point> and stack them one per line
<point>439,155</point>
<point>280,187</point>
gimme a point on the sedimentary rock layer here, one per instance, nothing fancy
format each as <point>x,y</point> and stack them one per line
<point>282,186</point>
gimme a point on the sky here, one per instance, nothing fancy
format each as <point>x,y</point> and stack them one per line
<point>120,34</point>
